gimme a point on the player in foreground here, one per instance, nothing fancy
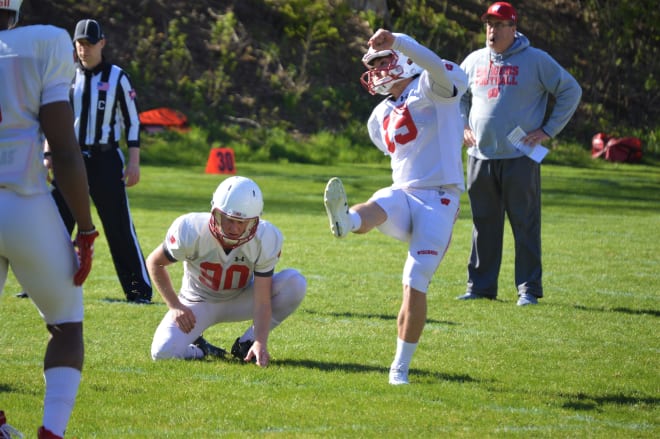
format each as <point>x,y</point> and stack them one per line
<point>419,126</point>
<point>36,67</point>
<point>229,275</point>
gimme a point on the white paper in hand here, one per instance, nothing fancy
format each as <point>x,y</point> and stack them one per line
<point>536,152</point>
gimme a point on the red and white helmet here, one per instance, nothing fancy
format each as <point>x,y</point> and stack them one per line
<point>380,80</point>
<point>12,5</point>
<point>237,198</point>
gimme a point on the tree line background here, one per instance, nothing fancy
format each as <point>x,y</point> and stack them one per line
<point>263,68</point>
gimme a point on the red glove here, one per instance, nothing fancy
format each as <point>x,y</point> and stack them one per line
<point>84,245</point>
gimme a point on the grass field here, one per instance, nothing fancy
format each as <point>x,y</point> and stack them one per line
<point>585,362</point>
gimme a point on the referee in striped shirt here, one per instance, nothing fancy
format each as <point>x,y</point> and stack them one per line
<point>104,104</point>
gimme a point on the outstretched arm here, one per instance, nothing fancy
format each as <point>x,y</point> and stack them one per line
<point>447,78</point>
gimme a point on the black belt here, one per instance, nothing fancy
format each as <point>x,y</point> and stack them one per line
<point>95,149</point>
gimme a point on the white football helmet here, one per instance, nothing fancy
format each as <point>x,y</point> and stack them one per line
<point>237,198</point>
<point>380,80</point>
<point>12,5</point>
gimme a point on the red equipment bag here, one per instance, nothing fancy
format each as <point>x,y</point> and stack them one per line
<point>616,149</point>
<point>161,118</point>
<point>625,149</point>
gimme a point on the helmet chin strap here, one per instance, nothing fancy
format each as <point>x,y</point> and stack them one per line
<point>227,243</point>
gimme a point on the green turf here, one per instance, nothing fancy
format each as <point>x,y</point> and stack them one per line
<point>583,363</point>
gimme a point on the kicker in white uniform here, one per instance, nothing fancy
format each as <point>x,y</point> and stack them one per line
<point>419,126</point>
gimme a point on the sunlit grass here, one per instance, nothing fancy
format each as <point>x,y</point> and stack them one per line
<point>583,363</point>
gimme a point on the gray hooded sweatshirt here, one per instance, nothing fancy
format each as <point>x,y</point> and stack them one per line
<point>511,89</point>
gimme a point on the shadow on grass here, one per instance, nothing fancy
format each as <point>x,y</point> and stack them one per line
<point>652,312</point>
<point>326,366</point>
<point>8,388</point>
<point>115,300</point>
<point>581,401</point>
<point>354,315</point>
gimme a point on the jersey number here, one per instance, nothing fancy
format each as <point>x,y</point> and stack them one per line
<point>213,276</point>
<point>399,128</point>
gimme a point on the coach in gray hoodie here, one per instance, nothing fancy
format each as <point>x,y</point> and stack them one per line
<point>509,86</point>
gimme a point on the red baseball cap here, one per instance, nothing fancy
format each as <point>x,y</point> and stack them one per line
<point>501,10</point>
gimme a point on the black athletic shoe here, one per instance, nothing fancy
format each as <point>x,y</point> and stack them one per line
<point>240,349</point>
<point>136,297</point>
<point>208,349</point>
<point>139,295</point>
<point>22,295</point>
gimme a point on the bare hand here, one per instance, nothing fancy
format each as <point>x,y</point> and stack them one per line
<point>131,175</point>
<point>381,40</point>
<point>259,353</point>
<point>468,137</point>
<point>535,137</point>
<point>184,318</point>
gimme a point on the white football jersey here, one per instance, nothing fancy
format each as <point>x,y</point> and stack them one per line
<point>209,274</point>
<point>36,68</point>
<point>422,131</point>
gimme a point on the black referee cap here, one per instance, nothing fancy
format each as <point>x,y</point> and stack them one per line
<point>89,30</point>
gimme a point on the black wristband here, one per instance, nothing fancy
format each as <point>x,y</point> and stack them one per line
<point>47,154</point>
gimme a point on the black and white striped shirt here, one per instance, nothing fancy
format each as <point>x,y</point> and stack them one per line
<point>106,100</point>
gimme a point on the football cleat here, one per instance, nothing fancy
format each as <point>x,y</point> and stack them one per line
<point>44,433</point>
<point>139,300</point>
<point>240,349</point>
<point>336,206</point>
<point>208,349</point>
<point>398,377</point>
<point>6,430</point>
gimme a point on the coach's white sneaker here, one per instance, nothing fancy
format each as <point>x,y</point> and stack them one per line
<point>526,299</point>
<point>398,376</point>
<point>336,205</point>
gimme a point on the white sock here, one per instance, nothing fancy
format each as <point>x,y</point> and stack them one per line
<point>61,389</point>
<point>248,335</point>
<point>403,356</point>
<point>356,220</point>
<point>193,353</point>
